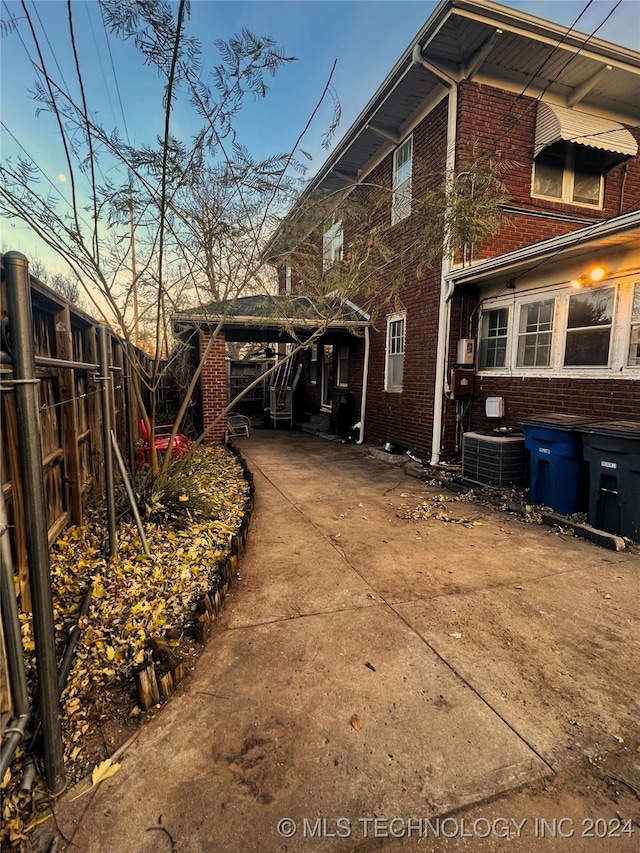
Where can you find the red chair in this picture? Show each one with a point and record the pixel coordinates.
(161, 436)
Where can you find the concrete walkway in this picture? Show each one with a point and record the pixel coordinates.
(372, 667)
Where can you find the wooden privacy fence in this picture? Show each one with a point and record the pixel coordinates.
(70, 419)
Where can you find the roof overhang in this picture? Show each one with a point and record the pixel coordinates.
(274, 318)
(493, 44)
(622, 231)
(556, 124)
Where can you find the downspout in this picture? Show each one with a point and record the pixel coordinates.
(446, 288)
(365, 380)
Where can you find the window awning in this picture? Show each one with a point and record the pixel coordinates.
(560, 124)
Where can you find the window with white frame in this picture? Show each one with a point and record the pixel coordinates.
(343, 366)
(313, 364)
(589, 325)
(332, 241)
(634, 343)
(535, 329)
(402, 169)
(570, 173)
(287, 279)
(394, 368)
(494, 332)
(563, 331)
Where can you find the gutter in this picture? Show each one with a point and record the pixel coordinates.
(446, 287)
(365, 381)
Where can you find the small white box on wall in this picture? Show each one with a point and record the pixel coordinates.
(466, 351)
(494, 407)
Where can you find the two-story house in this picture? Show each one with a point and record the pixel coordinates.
(546, 314)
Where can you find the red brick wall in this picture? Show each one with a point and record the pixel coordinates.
(609, 399)
(496, 122)
(493, 120)
(213, 383)
(406, 419)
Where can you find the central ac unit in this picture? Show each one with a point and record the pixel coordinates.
(494, 460)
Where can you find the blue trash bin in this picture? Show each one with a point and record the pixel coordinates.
(612, 449)
(557, 470)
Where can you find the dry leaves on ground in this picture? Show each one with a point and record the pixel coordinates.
(134, 597)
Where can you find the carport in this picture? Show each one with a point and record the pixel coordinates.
(299, 329)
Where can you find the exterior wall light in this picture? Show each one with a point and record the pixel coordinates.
(589, 279)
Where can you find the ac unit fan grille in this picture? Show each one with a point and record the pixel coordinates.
(498, 461)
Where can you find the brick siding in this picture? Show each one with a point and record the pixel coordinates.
(495, 120)
(213, 384)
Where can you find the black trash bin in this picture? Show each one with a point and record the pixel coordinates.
(612, 449)
(556, 476)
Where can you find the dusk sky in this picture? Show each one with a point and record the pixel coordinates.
(366, 38)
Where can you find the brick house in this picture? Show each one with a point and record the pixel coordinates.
(546, 315)
(538, 331)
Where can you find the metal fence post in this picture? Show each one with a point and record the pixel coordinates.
(28, 417)
(105, 396)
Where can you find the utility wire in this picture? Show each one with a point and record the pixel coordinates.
(553, 50)
(537, 100)
(115, 78)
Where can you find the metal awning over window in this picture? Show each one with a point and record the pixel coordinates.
(560, 124)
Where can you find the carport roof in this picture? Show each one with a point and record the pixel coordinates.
(269, 317)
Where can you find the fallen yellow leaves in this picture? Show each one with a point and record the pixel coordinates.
(436, 508)
(134, 597)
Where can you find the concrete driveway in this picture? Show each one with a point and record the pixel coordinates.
(373, 668)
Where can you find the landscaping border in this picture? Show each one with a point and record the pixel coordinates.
(157, 679)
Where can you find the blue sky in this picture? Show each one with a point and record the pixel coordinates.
(366, 37)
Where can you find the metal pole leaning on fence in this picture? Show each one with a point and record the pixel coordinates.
(132, 498)
(26, 390)
(105, 397)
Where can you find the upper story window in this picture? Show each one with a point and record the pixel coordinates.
(569, 173)
(573, 151)
(287, 279)
(394, 367)
(332, 241)
(402, 169)
(494, 332)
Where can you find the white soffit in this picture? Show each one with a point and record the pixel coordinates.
(555, 124)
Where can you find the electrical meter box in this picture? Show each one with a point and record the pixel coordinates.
(466, 351)
(462, 383)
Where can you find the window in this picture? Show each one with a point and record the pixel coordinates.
(534, 334)
(589, 328)
(634, 344)
(402, 167)
(493, 337)
(313, 364)
(287, 280)
(395, 353)
(332, 245)
(568, 172)
(343, 365)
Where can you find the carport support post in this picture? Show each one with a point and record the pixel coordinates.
(105, 397)
(28, 416)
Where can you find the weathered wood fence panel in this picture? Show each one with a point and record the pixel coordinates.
(70, 420)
